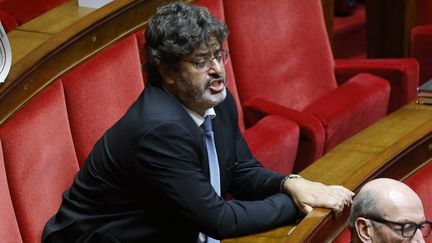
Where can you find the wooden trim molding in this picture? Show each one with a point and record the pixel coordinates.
(71, 46)
(394, 147)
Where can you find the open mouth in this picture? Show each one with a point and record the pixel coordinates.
(217, 85)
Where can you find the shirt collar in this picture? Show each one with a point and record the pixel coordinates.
(198, 119)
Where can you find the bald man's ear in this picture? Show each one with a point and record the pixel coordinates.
(363, 229)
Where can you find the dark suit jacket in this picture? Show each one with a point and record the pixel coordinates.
(147, 180)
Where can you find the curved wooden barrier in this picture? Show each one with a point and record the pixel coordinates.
(395, 147)
(43, 56)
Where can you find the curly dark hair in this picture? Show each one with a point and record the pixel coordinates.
(176, 30)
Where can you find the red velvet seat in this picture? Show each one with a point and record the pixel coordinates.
(281, 55)
(8, 226)
(99, 92)
(273, 140)
(39, 159)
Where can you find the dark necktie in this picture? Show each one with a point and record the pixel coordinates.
(213, 166)
(212, 155)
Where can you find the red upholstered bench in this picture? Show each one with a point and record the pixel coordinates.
(39, 160)
(44, 143)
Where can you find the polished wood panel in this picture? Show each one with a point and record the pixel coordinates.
(70, 47)
(394, 147)
(23, 42)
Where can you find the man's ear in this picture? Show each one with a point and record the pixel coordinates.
(166, 75)
(363, 229)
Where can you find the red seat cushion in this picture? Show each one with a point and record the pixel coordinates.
(99, 92)
(278, 150)
(40, 160)
(8, 225)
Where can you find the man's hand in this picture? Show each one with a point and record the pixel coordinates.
(308, 194)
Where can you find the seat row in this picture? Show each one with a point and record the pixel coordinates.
(283, 65)
(292, 104)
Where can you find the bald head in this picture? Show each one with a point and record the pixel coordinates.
(385, 199)
(392, 195)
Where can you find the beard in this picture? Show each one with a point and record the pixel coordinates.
(201, 98)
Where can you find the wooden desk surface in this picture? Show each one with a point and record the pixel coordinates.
(23, 42)
(355, 160)
(57, 19)
(30, 35)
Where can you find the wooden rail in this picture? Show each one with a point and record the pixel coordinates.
(394, 147)
(41, 53)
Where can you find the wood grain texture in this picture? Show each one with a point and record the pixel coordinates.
(23, 42)
(57, 19)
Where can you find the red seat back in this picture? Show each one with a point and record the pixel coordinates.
(8, 226)
(99, 92)
(280, 51)
(40, 160)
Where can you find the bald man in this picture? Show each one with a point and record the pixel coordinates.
(386, 210)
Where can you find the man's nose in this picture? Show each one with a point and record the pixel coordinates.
(215, 66)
